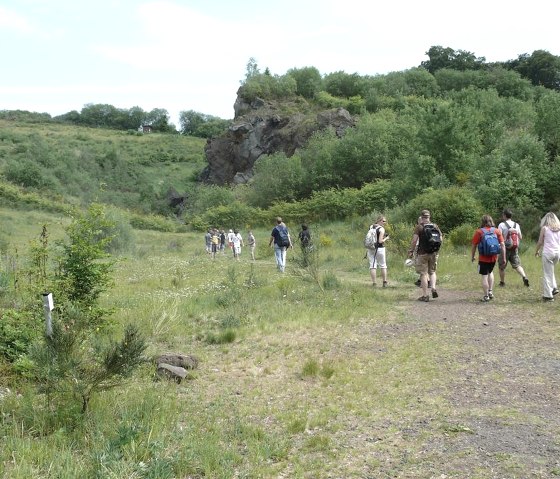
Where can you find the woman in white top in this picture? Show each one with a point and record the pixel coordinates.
(549, 246)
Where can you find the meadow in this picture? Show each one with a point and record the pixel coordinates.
(308, 374)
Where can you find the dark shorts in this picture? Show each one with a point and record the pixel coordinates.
(512, 256)
(485, 268)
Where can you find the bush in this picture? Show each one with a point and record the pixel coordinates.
(461, 235)
(450, 207)
(17, 330)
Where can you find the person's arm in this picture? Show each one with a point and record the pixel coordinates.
(413, 244)
(540, 242)
(474, 245)
(381, 238)
(502, 247)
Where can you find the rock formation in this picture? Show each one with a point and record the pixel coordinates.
(262, 128)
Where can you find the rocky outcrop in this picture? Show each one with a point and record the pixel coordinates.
(259, 129)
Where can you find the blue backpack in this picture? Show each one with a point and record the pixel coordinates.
(489, 244)
(283, 239)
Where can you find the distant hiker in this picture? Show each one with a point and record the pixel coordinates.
(237, 244)
(280, 238)
(490, 243)
(230, 240)
(222, 241)
(252, 243)
(215, 242)
(511, 231)
(208, 240)
(428, 238)
(548, 246)
(306, 245)
(375, 245)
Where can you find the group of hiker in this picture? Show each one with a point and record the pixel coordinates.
(216, 240)
(280, 239)
(493, 244)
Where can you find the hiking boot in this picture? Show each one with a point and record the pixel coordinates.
(502, 284)
(490, 294)
(526, 281)
(547, 300)
(485, 299)
(385, 284)
(554, 291)
(434, 294)
(424, 298)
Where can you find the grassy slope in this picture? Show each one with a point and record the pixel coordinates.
(324, 378)
(77, 157)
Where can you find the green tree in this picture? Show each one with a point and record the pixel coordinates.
(440, 57)
(308, 81)
(276, 178)
(541, 67)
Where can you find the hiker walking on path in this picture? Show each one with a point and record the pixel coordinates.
(511, 231)
(306, 244)
(252, 243)
(548, 246)
(490, 243)
(375, 244)
(280, 236)
(215, 242)
(428, 237)
(237, 244)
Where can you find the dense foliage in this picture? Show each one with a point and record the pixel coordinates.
(485, 131)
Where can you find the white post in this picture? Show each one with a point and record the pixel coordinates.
(48, 305)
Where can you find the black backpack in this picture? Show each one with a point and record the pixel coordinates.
(430, 238)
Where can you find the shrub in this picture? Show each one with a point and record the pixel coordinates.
(450, 207)
(17, 330)
(461, 235)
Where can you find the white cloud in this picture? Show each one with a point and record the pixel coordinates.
(12, 20)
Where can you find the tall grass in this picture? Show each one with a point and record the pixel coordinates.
(298, 377)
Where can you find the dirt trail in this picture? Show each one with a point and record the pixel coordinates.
(506, 395)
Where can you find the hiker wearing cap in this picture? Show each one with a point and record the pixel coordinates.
(428, 237)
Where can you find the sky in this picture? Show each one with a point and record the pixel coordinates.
(180, 55)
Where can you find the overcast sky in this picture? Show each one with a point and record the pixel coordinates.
(58, 55)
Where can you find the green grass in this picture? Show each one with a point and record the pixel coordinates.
(301, 375)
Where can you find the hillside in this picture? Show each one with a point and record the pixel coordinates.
(80, 164)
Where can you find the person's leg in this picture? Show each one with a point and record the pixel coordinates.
(422, 262)
(548, 275)
(491, 284)
(278, 256)
(485, 287)
(373, 274)
(424, 284)
(283, 256)
(381, 262)
(516, 265)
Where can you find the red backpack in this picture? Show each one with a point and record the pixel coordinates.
(512, 236)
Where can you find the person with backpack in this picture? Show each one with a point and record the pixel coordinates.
(511, 231)
(548, 246)
(490, 243)
(375, 246)
(280, 237)
(426, 240)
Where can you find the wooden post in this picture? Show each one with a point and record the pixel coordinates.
(48, 305)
